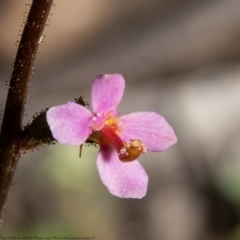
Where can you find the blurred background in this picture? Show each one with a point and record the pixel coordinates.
(180, 59)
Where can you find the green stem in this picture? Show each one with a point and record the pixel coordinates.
(17, 94)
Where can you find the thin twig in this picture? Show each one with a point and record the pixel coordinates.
(17, 94)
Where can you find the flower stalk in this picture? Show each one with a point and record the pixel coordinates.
(17, 94)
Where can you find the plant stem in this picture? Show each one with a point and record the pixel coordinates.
(17, 94)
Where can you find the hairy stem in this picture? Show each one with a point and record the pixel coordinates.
(17, 94)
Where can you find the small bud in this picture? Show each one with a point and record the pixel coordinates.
(36, 133)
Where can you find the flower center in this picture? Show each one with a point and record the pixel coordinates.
(109, 119)
(128, 151)
(107, 128)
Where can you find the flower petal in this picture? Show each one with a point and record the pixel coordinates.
(107, 91)
(69, 123)
(125, 180)
(149, 127)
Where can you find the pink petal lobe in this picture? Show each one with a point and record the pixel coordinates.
(124, 180)
(149, 127)
(107, 91)
(69, 123)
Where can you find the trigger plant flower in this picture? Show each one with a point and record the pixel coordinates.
(122, 139)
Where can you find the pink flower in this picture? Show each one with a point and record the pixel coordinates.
(121, 139)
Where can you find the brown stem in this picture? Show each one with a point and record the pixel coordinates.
(17, 94)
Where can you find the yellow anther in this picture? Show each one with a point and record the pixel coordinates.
(131, 150)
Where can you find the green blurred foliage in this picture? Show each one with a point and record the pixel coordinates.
(71, 197)
(229, 182)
